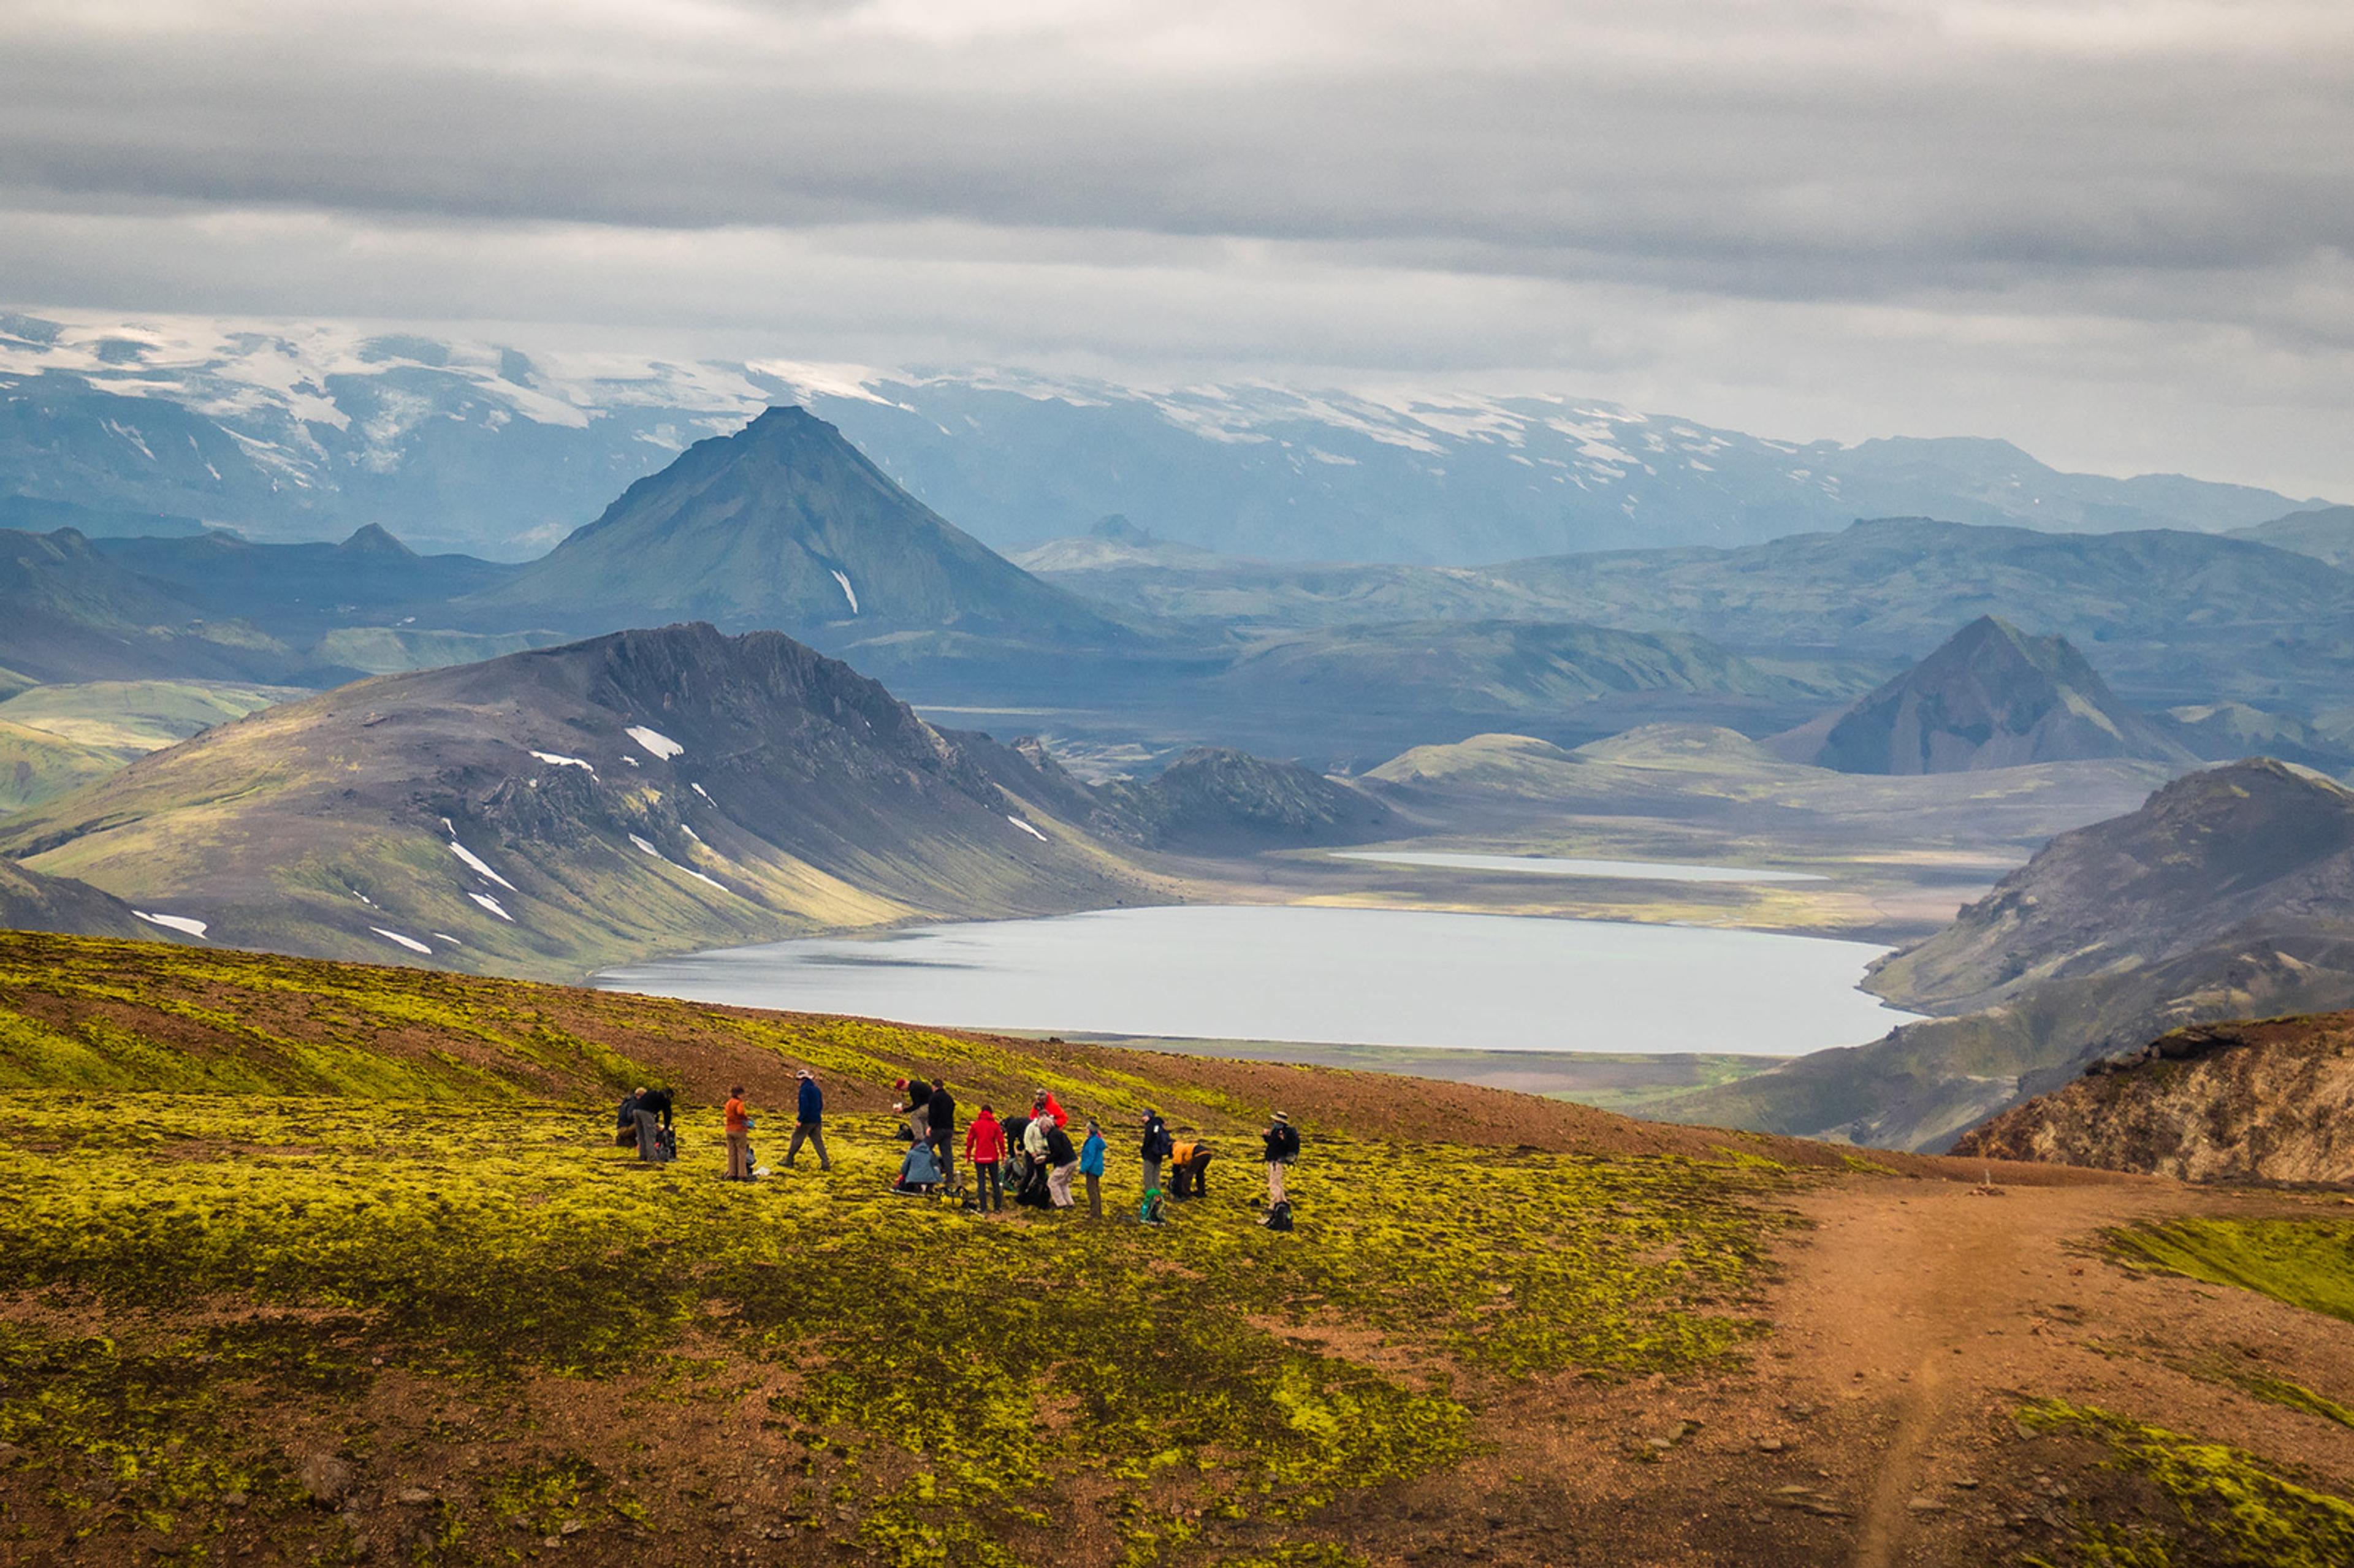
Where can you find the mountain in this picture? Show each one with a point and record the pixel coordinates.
(2230, 894)
(552, 811)
(785, 526)
(1217, 800)
(2327, 533)
(69, 613)
(1992, 697)
(299, 431)
(2271, 1101)
(2225, 732)
(298, 592)
(27, 515)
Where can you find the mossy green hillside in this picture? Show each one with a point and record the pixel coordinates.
(2306, 1263)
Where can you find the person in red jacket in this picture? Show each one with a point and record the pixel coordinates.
(1047, 1105)
(985, 1147)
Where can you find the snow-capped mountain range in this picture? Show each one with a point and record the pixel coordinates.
(310, 430)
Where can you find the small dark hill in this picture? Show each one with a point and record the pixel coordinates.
(69, 613)
(295, 590)
(31, 902)
(785, 526)
(555, 810)
(2327, 533)
(32, 514)
(1992, 697)
(1215, 799)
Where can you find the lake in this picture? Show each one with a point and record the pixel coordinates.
(1365, 977)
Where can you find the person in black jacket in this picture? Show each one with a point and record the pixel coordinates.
(1155, 1148)
(941, 1109)
(625, 1120)
(1282, 1144)
(1062, 1164)
(653, 1123)
(914, 1103)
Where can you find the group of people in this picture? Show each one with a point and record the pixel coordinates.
(1030, 1151)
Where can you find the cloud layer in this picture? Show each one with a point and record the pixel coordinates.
(2122, 235)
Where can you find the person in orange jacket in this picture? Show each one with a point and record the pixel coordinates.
(739, 1137)
(1047, 1105)
(984, 1147)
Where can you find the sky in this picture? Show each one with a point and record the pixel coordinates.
(2120, 234)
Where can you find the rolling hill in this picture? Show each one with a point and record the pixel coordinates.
(69, 613)
(550, 811)
(1991, 696)
(2325, 533)
(783, 526)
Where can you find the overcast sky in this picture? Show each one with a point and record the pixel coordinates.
(2120, 234)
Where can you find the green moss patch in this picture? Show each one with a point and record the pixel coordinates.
(2235, 1509)
(2306, 1263)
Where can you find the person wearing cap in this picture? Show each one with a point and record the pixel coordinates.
(810, 1115)
(915, 1104)
(739, 1135)
(1282, 1144)
(1091, 1163)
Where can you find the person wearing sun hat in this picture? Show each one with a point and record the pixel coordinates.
(1282, 1144)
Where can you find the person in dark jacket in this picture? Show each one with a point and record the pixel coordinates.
(1155, 1148)
(625, 1123)
(1282, 1145)
(1062, 1164)
(941, 1109)
(810, 1114)
(654, 1122)
(1015, 1128)
(915, 1104)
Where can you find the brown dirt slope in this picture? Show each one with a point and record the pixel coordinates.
(2268, 1101)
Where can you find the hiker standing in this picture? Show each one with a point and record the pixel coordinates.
(739, 1135)
(1062, 1164)
(984, 1146)
(941, 1130)
(809, 1116)
(1282, 1142)
(1044, 1103)
(1091, 1161)
(1154, 1149)
(653, 1124)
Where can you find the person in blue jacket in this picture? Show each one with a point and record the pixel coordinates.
(1091, 1158)
(807, 1121)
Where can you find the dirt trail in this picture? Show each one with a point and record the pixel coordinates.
(1917, 1315)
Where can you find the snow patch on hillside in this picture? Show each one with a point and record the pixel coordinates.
(411, 943)
(173, 922)
(662, 747)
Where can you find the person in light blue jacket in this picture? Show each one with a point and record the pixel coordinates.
(1091, 1158)
(808, 1122)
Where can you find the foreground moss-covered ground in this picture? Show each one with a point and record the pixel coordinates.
(287, 1237)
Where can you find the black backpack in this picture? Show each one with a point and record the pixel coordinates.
(1279, 1217)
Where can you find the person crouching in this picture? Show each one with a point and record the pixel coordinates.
(920, 1172)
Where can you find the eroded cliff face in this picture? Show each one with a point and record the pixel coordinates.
(2266, 1101)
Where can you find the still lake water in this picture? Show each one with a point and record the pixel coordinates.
(1370, 977)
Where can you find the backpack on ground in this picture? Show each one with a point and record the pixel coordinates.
(1278, 1218)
